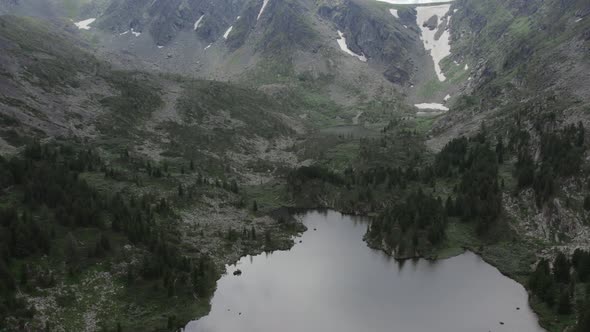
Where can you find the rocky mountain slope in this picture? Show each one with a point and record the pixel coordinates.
(529, 72)
(528, 55)
(212, 105)
(78, 128)
(263, 41)
(52, 87)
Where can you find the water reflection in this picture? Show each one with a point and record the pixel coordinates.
(333, 282)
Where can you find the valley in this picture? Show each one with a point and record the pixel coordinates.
(146, 146)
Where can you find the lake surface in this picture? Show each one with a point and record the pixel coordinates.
(332, 281)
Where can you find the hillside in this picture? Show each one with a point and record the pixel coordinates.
(523, 56)
(144, 145)
(185, 148)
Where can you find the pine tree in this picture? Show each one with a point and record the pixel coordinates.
(105, 242)
(561, 269)
(72, 253)
(580, 135)
(500, 150)
(583, 324)
(564, 304)
(541, 282)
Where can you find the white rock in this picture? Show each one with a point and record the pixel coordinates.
(264, 3)
(432, 106)
(414, 2)
(342, 43)
(441, 48)
(394, 13)
(198, 22)
(227, 32)
(85, 25)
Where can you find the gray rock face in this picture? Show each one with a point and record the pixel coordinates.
(431, 23)
(164, 19)
(397, 75)
(378, 37)
(286, 28)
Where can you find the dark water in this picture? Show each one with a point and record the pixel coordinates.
(333, 282)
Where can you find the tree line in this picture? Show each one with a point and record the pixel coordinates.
(45, 195)
(555, 283)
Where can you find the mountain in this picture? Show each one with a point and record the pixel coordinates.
(54, 88)
(145, 144)
(235, 41)
(528, 55)
(80, 134)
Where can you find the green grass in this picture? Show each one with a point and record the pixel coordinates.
(455, 74)
(430, 88)
(521, 27)
(423, 124)
(459, 236)
(341, 156)
(268, 196)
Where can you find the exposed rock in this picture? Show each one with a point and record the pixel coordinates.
(431, 23)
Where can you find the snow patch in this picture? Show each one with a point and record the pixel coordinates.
(394, 13)
(264, 3)
(405, 26)
(208, 46)
(133, 32)
(578, 20)
(447, 97)
(413, 2)
(160, 46)
(226, 34)
(440, 48)
(85, 25)
(198, 22)
(429, 113)
(466, 67)
(432, 106)
(342, 43)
